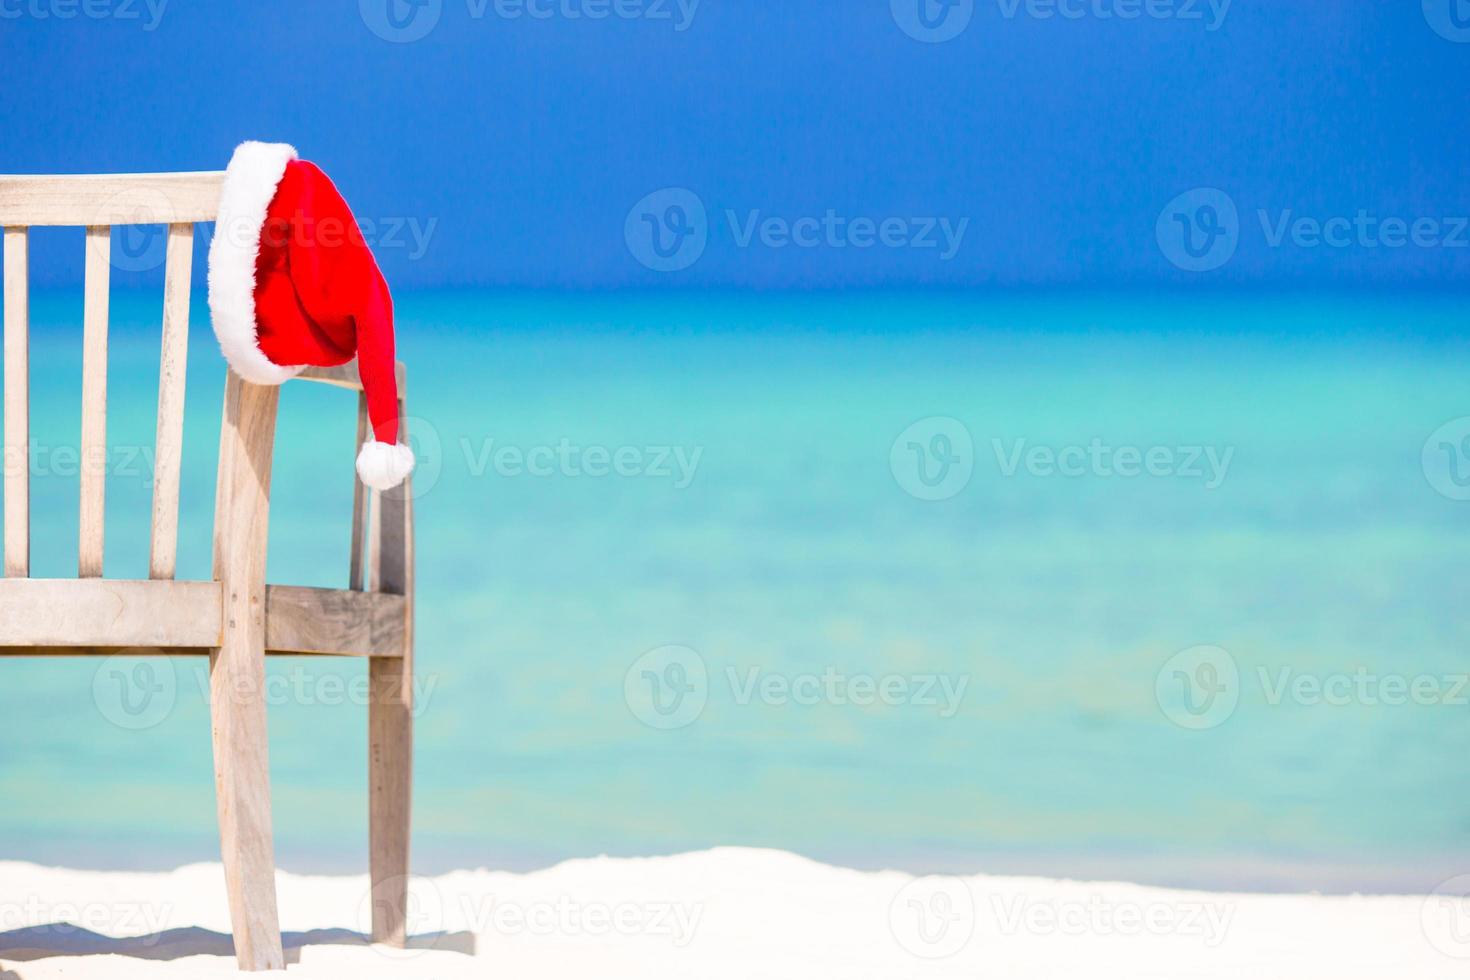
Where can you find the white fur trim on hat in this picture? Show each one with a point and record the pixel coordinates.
(382, 466)
(250, 182)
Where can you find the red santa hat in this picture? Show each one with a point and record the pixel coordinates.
(292, 285)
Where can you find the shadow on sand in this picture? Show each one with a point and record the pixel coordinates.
(65, 939)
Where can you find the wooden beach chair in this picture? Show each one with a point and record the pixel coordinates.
(236, 619)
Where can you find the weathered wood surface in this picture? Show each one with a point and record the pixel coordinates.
(334, 622)
(91, 521)
(16, 462)
(346, 376)
(236, 619)
(237, 674)
(109, 199)
(173, 365)
(390, 723)
(108, 613)
(359, 503)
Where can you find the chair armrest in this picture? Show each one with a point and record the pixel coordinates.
(346, 376)
(393, 576)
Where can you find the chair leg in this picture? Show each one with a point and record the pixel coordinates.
(237, 674)
(242, 789)
(390, 774)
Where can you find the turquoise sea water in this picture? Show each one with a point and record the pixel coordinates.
(792, 562)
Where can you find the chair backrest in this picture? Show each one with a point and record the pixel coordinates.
(98, 202)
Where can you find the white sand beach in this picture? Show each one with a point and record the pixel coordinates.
(727, 913)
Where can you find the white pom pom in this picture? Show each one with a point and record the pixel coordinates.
(382, 466)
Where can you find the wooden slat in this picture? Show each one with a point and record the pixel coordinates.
(237, 673)
(109, 199)
(359, 500)
(346, 376)
(104, 652)
(17, 463)
(335, 622)
(394, 554)
(108, 613)
(390, 723)
(149, 651)
(173, 365)
(94, 402)
(374, 540)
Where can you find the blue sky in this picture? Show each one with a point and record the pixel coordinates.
(828, 144)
